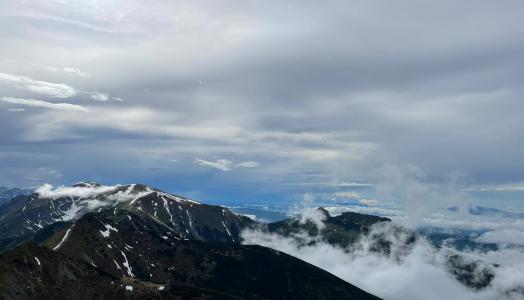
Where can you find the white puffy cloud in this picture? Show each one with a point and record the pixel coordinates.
(44, 104)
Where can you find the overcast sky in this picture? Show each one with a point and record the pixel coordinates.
(254, 99)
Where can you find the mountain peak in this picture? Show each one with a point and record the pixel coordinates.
(324, 212)
(68, 203)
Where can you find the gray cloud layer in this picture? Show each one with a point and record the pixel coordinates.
(336, 89)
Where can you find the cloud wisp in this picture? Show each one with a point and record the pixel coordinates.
(69, 71)
(55, 90)
(248, 164)
(16, 109)
(220, 164)
(44, 104)
(103, 97)
(225, 164)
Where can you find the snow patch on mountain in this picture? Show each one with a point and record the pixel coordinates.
(109, 228)
(66, 235)
(72, 212)
(126, 264)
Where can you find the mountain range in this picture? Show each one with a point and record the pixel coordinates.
(7, 194)
(489, 211)
(133, 241)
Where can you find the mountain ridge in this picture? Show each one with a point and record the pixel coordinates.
(23, 216)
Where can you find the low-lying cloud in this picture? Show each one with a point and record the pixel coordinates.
(502, 236)
(419, 271)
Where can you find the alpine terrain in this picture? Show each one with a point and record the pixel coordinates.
(91, 241)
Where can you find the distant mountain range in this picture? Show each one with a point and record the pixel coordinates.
(489, 211)
(134, 241)
(7, 193)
